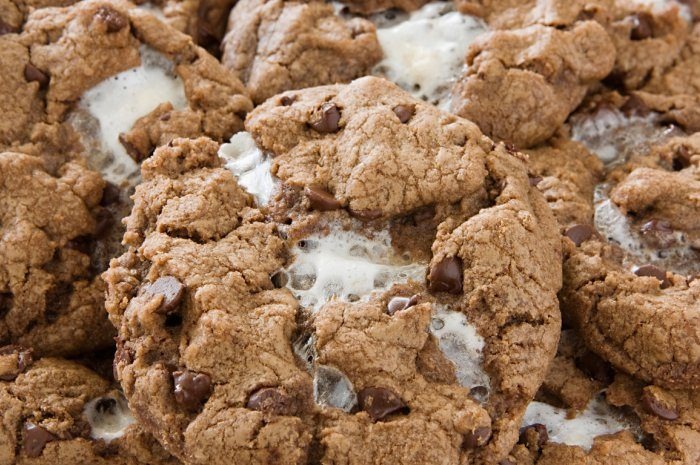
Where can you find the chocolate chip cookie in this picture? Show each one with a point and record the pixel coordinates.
(58, 411)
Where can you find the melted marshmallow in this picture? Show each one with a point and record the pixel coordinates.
(614, 137)
(250, 165)
(347, 266)
(614, 225)
(109, 416)
(114, 105)
(425, 53)
(597, 419)
(462, 345)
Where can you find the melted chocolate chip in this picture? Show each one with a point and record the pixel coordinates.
(479, 393)
(328, 118)
(172, 291)
(366, 215)
(279, 279)
(446, 276)
(656, 407)
(287, 100)
(321, 200)
(271, 401)
(681, 159)
(404, 112)
(397, 304)
(34, 74)
(635, 106)
(595, 367)
(114, 20)
(106, 405)
(380, 402)
(191, 389)
(34, 439)
(534, 436)
(643, 26)
(24, 360)
(535, 180)
(580, 233)
(510, 148)
(655, 272)
(476, 438)
(110, 195)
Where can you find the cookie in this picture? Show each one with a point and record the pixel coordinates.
(359, 164)
(58, 411)
(275, 46)
(520, 85)
(53, 228)
(87, 60)
(623, 420)
(638, 261)
(374, 6)
(13, 13)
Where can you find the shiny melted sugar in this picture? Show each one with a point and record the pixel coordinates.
(614, 137)
(616, 227)
(109, 416)
(424, 52)
(597, 419)
(114, 105)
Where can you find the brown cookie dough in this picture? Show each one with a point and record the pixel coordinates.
(57, 411)
(373, 150)
(13, 13)
(566, 173)
(51, 298)
(639, 315)
(521, 85)
(69, 50)
(205, 354)
(279, 45)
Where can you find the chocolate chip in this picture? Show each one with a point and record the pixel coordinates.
(479, 393)
(114, 20)
(535, 180)
(397, 304)
(192, 389)
(595, 367)
(446, 276)
(654, 272)
(271, 401)
(110, 194)
(380, 402)
(681, 159)
(287, 100)
(6, 28)
(580, 233)
(104, 220)
(172, 291)
(635, 106)
(279, 279)
(476, 438)
(327, 120)
(534, 436)
(321, 199)
(404, 112)
(366, 215)
(106, 405)
(643, 26)
(23, 358)
(34, 74)
(34, 439)
(510, 148)
(656, 407)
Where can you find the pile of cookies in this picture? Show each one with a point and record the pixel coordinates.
(350, 233)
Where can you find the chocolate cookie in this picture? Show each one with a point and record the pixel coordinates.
(120, 78)
(275, 46)
(587, 414)
(57, 411)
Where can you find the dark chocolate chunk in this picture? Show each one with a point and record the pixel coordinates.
(192, 389)
(380, 402)
(446, 276)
